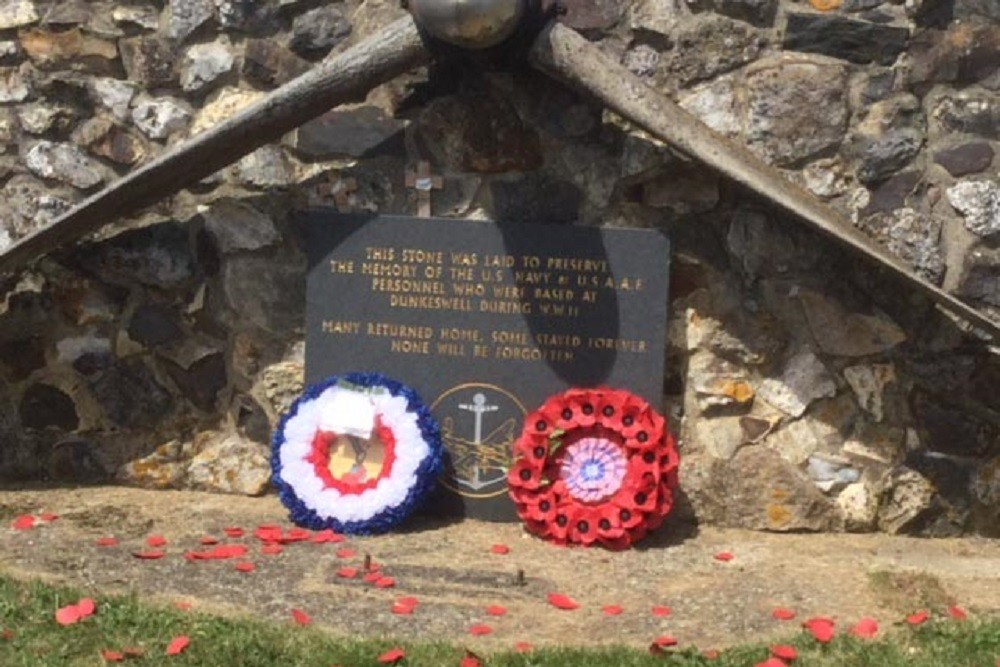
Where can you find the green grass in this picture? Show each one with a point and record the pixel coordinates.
(27, 609)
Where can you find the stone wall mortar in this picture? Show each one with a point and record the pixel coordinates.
(809, 392)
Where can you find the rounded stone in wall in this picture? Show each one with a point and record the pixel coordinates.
(44, 406)
(75, 460)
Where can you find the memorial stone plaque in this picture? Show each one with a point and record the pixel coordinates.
(485, 321)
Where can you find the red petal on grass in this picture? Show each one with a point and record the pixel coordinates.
(401, 609)
(209, 540)
(524, 647)
(112, 656)
(501, 549)
(918, 618)
(724, 556)
(371, 577)
(392, 656)
(496, 610)
(48, 516)
(23, 522)
(470, 660)
(612, 609)
(346, 553)
(271, 549)
(347, 572)
(409, 601)
(821, 629)
(385, 582)
(86, 607)
(245, 566)
(107, 542)
(711, 654)
(301, 617)
(957, 613)
(149, 555)
(233, 531)
(785, 652)
(178, 645)
(660, 610)
(866, 628)
(771, 662)
(783, 614)
(184, 605)
(560, 601)
(67, 615)
(156, 541)
(663, 641)
(480, 629)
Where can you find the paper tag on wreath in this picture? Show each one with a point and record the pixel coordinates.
(350, 413)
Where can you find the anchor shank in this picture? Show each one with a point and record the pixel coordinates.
(565, 55)
(341, 78)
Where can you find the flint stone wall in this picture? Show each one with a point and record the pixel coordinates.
(809, 391)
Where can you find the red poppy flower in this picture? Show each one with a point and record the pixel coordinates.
(957, 613)
(584, 409)
(560, 601)
(301, 617)
(538, 424)
(560, 414)
(501, 549)
(525, 475)
(612, 609)
(178, 645)
(496, 610)
(783, 614)
(112, 656)
(918, 618)
(540, 506)
(784, 651)
(866, 628)
(392, 656)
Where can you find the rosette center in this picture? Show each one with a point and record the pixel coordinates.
(593, 468)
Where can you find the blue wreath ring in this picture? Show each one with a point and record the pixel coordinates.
(357, 454)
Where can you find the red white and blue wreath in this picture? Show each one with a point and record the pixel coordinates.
(594, 466)
(356, 454)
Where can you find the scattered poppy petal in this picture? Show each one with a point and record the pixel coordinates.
(246, 566)
(501, 549)
(178, 645)
(724, 556)
(112, 656)
(156, 541)
(347, 572)
(663, 641)
(86, 607)
(107, 542)
(866, 628)
(918, 618)
(957, 613)
(822, 629)
(783, 614)
(24, 522)
(402, 609)
(149, 555)
(524, 647)
(371, 577)
(784, 651)
(209, 540)
(271, 549)
(496, 610)
(771, 662)
(301, 617)
(392, 656)
(385, 582)
(480, 629)
(612, 609)
(560, 601)
(711, 654)
(660, 610)
(233, 531)
(67, 615)
(48, 516)
(184, 605)
(409, 601)
(346, 553)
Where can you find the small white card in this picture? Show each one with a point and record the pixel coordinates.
(350, 413)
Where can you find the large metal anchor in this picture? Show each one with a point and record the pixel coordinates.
(474, 26)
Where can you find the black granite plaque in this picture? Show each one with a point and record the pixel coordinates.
(485, 321)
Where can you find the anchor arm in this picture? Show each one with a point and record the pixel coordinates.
(341, 78)
(563, 54)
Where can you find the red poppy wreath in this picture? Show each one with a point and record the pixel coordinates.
(594, 465)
